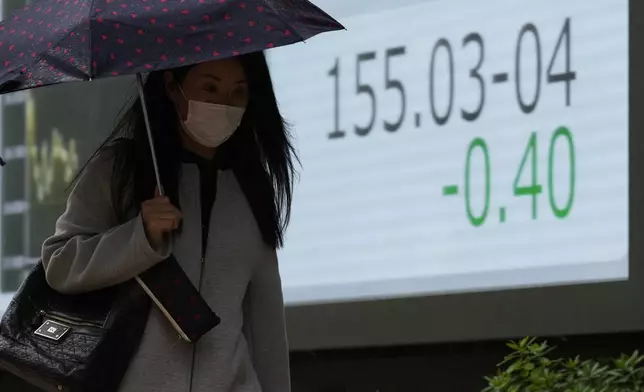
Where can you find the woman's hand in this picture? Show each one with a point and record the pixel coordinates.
(160, 217)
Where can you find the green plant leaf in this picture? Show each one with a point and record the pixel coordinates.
(530, 368)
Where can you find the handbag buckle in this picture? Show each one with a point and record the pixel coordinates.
(52, 330)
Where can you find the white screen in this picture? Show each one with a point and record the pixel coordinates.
(374, 216)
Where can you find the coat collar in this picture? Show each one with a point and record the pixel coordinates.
(216, 163)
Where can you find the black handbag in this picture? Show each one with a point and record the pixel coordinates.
(70, 343)
(85, 342)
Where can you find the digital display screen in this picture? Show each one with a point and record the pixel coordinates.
(452, 152)
(457, 146)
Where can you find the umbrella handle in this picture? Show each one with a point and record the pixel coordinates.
(148, 129)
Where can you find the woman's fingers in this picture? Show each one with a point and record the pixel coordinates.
(159, 204)
(159, 200)
(163, 224)
(158, 224)
(163, 215)
(160, 209)
(160, 216)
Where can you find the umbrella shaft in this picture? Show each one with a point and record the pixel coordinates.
(139, 82)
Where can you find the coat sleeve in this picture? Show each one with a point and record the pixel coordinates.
(89, 249)
(265, 327)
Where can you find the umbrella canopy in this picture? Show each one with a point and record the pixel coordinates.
(56, 41)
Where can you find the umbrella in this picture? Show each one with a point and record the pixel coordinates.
(57, 41)
(54, 41)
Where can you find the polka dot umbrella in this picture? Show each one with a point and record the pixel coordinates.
(56, 41)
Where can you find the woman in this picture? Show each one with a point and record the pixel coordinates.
(226, 165)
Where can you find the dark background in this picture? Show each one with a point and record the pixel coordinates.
(81, 112)
(450, 367)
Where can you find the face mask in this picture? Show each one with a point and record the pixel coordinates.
(210, 124)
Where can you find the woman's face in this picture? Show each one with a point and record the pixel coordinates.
(220, 82)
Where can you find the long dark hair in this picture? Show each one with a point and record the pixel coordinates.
(260, 152)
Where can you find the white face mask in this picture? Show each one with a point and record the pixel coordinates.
(210, 124)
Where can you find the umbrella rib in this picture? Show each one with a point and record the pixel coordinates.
(47, 57)
(63, 66)
(279, 16)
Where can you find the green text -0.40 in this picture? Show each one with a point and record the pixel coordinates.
(526, 183)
